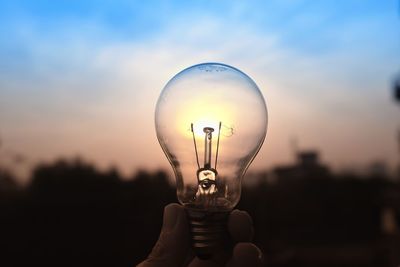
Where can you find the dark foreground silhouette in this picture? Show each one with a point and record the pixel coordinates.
(74, 215)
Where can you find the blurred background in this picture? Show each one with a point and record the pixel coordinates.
(83, 181)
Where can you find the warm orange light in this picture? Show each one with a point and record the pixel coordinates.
(201, 116)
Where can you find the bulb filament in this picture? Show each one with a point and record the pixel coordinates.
(207, 146)
(207, 174)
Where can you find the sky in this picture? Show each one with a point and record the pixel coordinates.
(81, 78)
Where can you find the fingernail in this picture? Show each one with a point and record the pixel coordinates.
(171, 213)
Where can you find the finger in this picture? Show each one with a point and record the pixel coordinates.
(173, 243)
(240, 226)
(245, 254)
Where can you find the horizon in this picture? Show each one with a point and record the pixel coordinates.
(251, 177)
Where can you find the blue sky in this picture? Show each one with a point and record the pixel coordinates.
(82, 77)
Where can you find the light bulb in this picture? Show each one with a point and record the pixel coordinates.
(211, 120)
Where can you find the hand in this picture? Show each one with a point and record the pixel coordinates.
(173, 248)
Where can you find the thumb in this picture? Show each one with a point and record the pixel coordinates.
(173, 243)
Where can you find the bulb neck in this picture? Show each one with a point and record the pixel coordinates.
(209, 232)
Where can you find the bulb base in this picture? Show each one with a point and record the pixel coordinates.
(209, 232)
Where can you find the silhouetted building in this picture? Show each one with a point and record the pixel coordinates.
(307, 165)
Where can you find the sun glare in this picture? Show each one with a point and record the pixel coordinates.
(204, 116)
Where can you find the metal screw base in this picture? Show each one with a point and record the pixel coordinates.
(209, 232)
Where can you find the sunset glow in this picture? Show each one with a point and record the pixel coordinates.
(82, 79)
(205, 116)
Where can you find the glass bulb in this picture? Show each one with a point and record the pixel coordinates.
(211, 120)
